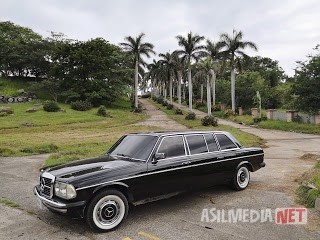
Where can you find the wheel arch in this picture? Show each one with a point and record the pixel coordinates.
(246, 163)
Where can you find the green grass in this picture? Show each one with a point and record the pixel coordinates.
(10, 86)
(245, 139)
(9, 203)
(305, 195)
(69, 135)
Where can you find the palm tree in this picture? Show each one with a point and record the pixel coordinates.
(233, 50)
(167, 63)
(154, 74)
(205, 70)
(137, 48)
(191, 50)
(214, 52)
(179, 66)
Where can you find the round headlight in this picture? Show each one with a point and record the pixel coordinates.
(64, 190)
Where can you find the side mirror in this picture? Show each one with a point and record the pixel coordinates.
(158, 156)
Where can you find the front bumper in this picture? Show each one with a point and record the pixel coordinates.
(58, 206)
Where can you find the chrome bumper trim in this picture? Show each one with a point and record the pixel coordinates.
(48, 201)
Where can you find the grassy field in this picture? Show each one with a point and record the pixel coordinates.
(70, 135)
(245, 139)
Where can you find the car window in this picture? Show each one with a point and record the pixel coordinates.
(172, 147)
(196, 144)
(134, 146)
(211, 142)
(225, 142)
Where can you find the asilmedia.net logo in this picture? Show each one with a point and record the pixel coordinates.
(245, 215)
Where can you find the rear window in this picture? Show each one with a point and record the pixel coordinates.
(196, 144)
(211, 142)
(225, 142)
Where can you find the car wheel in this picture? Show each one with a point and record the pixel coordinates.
(107, 210)
(241, 179)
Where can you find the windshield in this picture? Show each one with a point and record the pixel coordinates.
(134, 146)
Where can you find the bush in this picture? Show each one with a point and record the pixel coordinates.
(169, 106)
(81, 105)
(137, 110)
(51, 106)
(228, 113)
(257, 119)
(164, 103)
(178, 111)
(102, 111)
(190, 116)
(175, 99)
(3, 114)
(209, 121)
(147, 95)
(297, 119)
(160, 100)
(200, 104)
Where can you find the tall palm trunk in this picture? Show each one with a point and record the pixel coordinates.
(213, 82)
(170, 90)
(151, 88)
(233, 91)
(208, 96)
(201, 92)
(184, 92)
(165, 92)
(179, 88)
(136, 84)
(190, 89)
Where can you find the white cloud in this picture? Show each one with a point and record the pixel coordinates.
(284, 30)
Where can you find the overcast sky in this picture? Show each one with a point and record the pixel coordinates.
(284, 30)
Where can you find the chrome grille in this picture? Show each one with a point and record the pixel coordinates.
(46, 185)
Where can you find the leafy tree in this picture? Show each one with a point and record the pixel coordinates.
(307, 84)
(191, 50)
(233, 50)
(137, 48)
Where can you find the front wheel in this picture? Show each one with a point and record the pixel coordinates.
(107, 210)
(241, 178)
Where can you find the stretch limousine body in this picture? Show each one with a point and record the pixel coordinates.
(145, 167)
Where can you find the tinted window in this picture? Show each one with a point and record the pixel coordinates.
(225, 142)
(172, 147)
(211, 142)
(196, 144)
(135, 146)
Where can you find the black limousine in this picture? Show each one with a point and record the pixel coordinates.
(144, 167)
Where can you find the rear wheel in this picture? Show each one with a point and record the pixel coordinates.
(107, 210)
(241, 178)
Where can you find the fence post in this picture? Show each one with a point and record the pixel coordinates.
(317, 118)
(254, 112)
(270, 113)
(290, 115)
(240, 111)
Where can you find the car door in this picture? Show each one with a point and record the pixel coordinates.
(169, 175)
(204, 154)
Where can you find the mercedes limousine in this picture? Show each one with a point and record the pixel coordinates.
(144, 167)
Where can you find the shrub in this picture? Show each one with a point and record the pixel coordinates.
(81, 105)
(297, 119)
(51, 106)
(164, 103)
(160, 100)
(3, 114)
(175, 99)
(257, 119)
(178, 111)
(209, 121)
(147, 95)
(190, 116)
(154, 98)
(169, 106)
(199, 104)
(228, 113)
(102, 111)
(137, 110)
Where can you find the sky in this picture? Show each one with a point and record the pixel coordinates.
(284, 30)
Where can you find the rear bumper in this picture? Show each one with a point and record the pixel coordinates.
(263, 164)
(58, 205)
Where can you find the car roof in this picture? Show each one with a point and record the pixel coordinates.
(168, 133)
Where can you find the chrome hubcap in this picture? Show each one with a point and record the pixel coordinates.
(243, 177)
(108, 212)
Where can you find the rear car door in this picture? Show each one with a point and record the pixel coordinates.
(169, 175)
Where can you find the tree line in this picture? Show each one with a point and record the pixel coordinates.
(199, 71)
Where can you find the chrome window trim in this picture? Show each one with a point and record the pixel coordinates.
(186, 135)
(168, 170)
(216, 141)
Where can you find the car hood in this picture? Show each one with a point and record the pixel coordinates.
(105, 167)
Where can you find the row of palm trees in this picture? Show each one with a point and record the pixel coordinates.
(194, 60)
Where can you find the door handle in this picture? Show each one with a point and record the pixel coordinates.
(186, 163)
